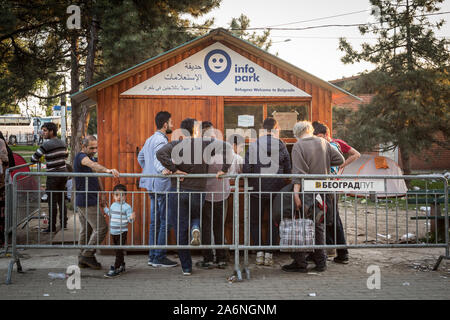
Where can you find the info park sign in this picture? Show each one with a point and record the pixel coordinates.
(216, 71)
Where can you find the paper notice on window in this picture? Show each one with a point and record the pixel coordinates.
(246, 120)
(286, 120)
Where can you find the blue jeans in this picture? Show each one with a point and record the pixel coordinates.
(179, 207)
(158, 224)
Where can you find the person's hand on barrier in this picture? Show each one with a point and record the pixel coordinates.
(132, 216)
(219, 174)
(166, 171)
(103, 202)
(180, 172)
(114, 172)
(298, 202)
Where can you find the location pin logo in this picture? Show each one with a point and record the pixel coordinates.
(217, 65)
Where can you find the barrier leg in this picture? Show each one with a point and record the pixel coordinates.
(10, 269)
(446, 230)
(237, 265)
(14, 261)
(438, 262)
(247, 273)
(246, 228)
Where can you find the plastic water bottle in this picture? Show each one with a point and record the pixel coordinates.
(54, 275)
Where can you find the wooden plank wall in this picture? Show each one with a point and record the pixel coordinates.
(124, 123)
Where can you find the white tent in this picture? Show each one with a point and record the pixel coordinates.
(379, 165)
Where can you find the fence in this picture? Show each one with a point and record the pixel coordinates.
(366, 214)
(26, 207)
(369, 219)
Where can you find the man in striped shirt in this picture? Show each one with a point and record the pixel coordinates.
(54, 151)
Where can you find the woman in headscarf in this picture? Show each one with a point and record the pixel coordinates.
(6, 161)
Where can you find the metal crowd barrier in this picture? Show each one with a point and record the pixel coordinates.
(396, 217)
(369, 219)
(28, 206)
(28, 238)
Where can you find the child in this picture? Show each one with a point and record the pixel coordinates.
(120, 213)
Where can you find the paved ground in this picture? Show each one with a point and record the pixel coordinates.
(405, 274)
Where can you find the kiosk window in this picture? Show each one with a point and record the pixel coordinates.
(245, 119)
(287, 116)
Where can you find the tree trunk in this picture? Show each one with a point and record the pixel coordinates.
(409, 54)
(80, 113)
(406, 163)
(74, 88)
(92, 50)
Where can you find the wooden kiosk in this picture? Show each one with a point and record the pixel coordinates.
(216, 77)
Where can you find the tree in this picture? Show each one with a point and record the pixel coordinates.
(37, 48)
(239, 26)
(410, 82)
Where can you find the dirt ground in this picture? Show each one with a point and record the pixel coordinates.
(372, 224)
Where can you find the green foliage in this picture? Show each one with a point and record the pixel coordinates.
(30, 47)
(410, 82)
(36, 47)
(239, 26)
(133, 31)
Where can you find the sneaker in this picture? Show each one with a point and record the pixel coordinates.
(320, 268)
(91, 262)
(268, 259)
(205, 264)
(163, 263)
(48, 230)
(195, 237)
(342, 260)
(222, 265)
(150, 262)
(331, 253)
(294, 267)
(113, 272)
(187, 272)
(81, 265)
(121, 269)
(260, 258)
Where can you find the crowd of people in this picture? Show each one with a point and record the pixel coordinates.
(196, 208)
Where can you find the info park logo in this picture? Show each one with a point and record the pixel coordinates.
(218, 65)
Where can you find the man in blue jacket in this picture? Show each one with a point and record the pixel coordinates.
(157, 188)
(268, 154)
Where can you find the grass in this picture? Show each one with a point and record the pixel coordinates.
(427, 184)
(17, 149)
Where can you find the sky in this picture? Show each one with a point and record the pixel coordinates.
(316, 50)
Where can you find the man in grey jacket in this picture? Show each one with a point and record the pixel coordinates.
(310, 155)
(190, 155)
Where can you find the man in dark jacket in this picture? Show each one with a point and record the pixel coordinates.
(190, 156)
(268, 154)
